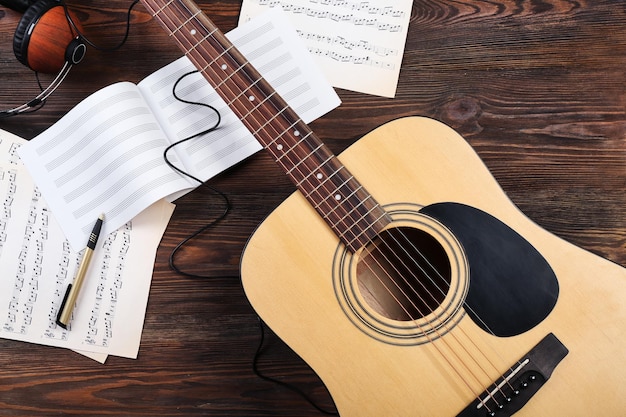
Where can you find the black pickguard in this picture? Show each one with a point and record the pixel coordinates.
(512, 287)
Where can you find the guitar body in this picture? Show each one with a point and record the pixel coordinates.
(380, 362)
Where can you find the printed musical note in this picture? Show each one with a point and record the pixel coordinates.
(370, 18)
(349, 44)
(38, 263)
(358, 60)
(12, 154)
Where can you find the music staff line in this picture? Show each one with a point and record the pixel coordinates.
(25, 297)
(30, 260)
(358, 45)
(104, 307)
(352, 18)
(352, 59)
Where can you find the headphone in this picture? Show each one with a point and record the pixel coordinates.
(46, 40)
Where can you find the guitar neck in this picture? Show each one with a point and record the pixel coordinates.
(337, 196)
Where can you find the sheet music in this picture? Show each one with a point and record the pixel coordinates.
(358, 44)
(38, 263)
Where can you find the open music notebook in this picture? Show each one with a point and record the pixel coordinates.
(106, 154)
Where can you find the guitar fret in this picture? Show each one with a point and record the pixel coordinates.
(327, 179)
(184, 23)
(166, 5)
(293, 148)
(335, 195)
(238, 97)
(340, 200)
(341, 206)
(303, 160)
(314, 173)
(302, 178)
(273, 141)
(355, 208)
(358, 232)
(201, 42)
(269, 121)
(249, 113)
(213, 61)
(284, 149)
(346, 198)
(258, 131)
(229, 77)
(367, 233)
(348, 213)
(375, 207)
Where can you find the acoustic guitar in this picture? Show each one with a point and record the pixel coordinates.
(405, 277)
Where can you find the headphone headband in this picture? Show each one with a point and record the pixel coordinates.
(18, 5)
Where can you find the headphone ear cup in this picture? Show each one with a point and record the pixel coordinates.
(42, 37)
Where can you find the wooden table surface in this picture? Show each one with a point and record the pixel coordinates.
(536, 87)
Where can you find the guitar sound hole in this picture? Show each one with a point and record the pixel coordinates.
(404, 274)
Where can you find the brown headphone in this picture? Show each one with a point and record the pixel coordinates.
(46, 40)
(49, 39)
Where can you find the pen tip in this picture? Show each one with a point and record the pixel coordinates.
(101, 217)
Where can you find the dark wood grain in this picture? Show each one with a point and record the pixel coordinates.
(536, 87)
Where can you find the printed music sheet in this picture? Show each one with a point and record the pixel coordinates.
(358, 44)
(38, 263)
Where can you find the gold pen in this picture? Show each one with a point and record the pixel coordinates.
(67, 305)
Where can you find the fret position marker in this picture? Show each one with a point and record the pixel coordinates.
(319, 176)
(192, 32)
(251, 98)
(224, 67)
(337, 197)
(279, 147)
(296, 133)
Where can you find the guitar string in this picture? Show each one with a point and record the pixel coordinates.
(292, 168)
(249, 84)
(408, 242)
(419, 282)
(413, 257)
(248, 87)
(425, 332)
(494, 390)
(242, 94)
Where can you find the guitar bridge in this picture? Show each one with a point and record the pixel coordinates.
(520, 383)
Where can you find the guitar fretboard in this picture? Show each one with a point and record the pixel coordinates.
(337, 196)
